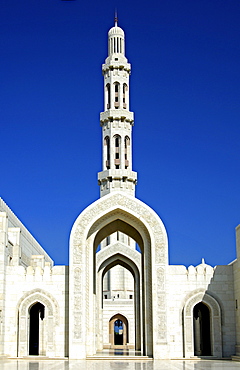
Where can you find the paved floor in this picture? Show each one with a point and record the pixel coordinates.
(118, 365)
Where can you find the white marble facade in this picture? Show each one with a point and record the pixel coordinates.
(119, 290)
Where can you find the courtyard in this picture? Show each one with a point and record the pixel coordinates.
(45, 364)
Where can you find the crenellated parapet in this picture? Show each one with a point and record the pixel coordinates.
(37, 273)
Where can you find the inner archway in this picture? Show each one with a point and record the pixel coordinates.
(36, 316)
(126, 301)
(202, 333)
(119, 295)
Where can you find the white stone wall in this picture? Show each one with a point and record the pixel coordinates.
(24, 283)
(124, 307)
(182, 284)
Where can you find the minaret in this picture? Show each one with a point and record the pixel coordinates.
(116, 120)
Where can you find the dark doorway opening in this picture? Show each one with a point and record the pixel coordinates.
(36, 314)
(201, 324)
(118, 332)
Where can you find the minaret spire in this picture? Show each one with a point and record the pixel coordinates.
(116, 19)
(116, 120)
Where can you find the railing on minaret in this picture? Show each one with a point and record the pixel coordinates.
(116, 120)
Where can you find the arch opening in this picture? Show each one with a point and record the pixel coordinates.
(121, 226)
(125, 298)
(202, 332)
(109, 215)
(118, 330)
(36, 332)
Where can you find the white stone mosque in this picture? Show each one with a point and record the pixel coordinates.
(119, 291)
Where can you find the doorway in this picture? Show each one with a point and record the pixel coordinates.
(36, 316)
(118, 331)
(202, 332)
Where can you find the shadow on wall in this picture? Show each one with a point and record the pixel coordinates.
(209, 314)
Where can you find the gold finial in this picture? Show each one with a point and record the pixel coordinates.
(116, 19)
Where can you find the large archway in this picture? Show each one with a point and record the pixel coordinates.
(117, 212)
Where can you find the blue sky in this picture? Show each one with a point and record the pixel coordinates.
(185, 88)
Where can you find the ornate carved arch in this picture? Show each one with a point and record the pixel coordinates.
(52, 319)
(216, 327)
(39, 295)
(118, 247)
(87, 231)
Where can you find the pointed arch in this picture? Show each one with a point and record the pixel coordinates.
(106, 154)
(112, 259)
(125, 96)
(215, 322)
(117, 147)
(108, 96)
(116, 94)
(51, 308)
(127, 151)
(123, 337)
(115, 211)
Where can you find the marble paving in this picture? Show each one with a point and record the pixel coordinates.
(6, 364)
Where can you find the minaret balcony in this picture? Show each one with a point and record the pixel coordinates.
(126, 173)
(120, 114)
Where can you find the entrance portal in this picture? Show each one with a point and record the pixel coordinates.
(36, 314)
(201, 324)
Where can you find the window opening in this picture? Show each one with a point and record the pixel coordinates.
(116, 95)
(126, 151)
(107, 153)
(108, 96)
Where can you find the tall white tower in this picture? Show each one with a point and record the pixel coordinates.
(116, 120)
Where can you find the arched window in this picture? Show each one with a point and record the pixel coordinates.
(108, 97)
(107, 151)
(117, 86)
(126, 150)
(117, 159)
(125, 90)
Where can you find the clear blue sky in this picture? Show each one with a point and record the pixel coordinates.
(185, 90)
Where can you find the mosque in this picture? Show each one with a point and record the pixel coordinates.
(119, 291)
